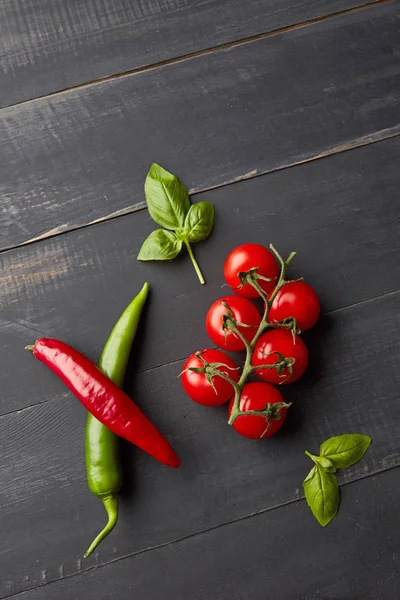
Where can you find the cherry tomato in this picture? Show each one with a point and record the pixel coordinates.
(280, 341)
(297, 300)
(243, 311)
(255, 396)
(199, 389)
(242, 259)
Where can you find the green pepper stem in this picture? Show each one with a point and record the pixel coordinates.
(111, 506)
(195, 263)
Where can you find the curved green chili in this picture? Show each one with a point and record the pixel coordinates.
(103, 468)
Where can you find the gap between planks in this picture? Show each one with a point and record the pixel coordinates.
(210, 50)
(351, 144)
(190, 536)
(178, 360)
(372, 138)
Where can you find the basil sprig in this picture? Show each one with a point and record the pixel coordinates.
(320, 486)
(169, 206)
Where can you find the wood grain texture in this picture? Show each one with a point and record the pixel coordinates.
(73, 158)
(340, 214)
(281, 554)
(48, 47)
(49, 516)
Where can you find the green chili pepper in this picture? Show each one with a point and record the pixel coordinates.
(103, 468)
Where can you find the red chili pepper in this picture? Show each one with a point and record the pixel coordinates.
(103, 399)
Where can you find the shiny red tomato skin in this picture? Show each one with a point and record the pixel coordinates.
(255, 396)
(242, 259)
(297, 300)
(280, 340)
(199, 389)
(243, 311)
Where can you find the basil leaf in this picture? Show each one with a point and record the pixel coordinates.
(199, 221)
(323, 462)
(322, 494)
(160, 245)
(167, 198)
(345, 450)
(310, 475)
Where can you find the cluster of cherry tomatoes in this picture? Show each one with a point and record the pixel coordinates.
(295, 308)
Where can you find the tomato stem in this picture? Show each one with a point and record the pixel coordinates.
(231, 324)
(264, 325)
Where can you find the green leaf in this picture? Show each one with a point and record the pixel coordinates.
(345, 450)
(167, 198)
(160, 245)
(199, 222)
(323, 462)
(322, 494)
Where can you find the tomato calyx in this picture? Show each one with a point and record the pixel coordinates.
(282, 364)
(271, 412)
(291, 324)
(250, 277)
(229, 323)
(211, 370)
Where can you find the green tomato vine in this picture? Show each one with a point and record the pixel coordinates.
(271, 411)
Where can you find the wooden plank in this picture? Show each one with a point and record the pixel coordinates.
(48, 47)
(282, 554)
(340, 214)
(48, 516)
(76, 157)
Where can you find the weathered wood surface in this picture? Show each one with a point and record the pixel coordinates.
(70, 159)
(340, 214)
(49, 516)
(45, 47)
(231, 523)
(74, 286)
(277, 554)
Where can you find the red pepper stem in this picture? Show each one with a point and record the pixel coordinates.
(111, 506)
(30, 347)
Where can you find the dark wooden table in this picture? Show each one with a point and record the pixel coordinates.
(286, 116)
